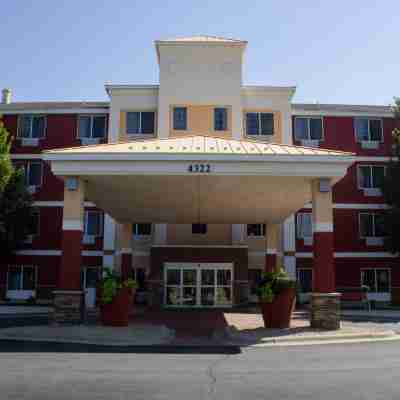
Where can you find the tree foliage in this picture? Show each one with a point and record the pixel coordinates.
(16, 211)
(392, 188)
(5, 161)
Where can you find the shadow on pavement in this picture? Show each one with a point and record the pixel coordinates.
(17, 346)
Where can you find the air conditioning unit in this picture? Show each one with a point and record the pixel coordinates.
(308, 241)
(369, 144)
(374, 241)
(372, 192)
(310, 143)
(89, 239)
(30, 142)
(89, 141)
(31, 189)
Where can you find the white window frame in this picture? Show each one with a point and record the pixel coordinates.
(21, 293)
(263, 231)
(259, 124)
(137, 235)
(308, 240)
(140, 123)
(227, 119)
(378, 296)
(91, 138)
(31, 126)
(173, 118)
(373, 225)
(376, 190)
(309, 118)
(369, 129)
(87, 212)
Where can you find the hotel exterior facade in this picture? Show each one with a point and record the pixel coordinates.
(198, 184)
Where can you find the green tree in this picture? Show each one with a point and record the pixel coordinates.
(392, 188)
(16, 211)
(5, 161)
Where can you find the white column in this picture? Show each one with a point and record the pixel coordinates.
(110, 229)
(289, 246)
(238, 234)
(160, 233)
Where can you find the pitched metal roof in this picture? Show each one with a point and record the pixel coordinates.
(198, 145)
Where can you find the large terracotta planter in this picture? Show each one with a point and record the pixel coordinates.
(278, 313)
(117, 312)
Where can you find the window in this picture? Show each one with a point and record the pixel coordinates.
(140, 123)
(21, 278)
(371, 225)
(34, 224)
(91, 126)
(32, 126)
(304, 279)
(180, 118)
(308, 128)
(259, 124)
(220, 119)
(304, 225)
(199, 229)
(33, 173)
(371, 176)
(93, 223)
(368, 129)
(142, 229)
(378, 280)
(256, 230)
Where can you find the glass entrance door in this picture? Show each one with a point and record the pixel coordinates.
(198, 285)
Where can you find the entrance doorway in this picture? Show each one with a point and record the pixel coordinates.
(198, 285)
(90, 277)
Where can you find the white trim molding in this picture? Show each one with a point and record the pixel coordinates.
(271, 251)
(72, 225)
(26, 156)
(376, 254)
(322, 227)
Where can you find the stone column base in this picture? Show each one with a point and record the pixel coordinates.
(325, 311)
(68, 306)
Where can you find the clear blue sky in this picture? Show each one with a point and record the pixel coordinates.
(333, 51)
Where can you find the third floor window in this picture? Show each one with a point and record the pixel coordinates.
(140, 122)
(180, 118)
(308, 128)
(371, 225)
(91, 126)
(368, 129)
(220, 119)
(259, 124)
(371, 176)
(32, 126)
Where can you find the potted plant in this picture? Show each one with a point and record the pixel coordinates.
(116, 298)
(277, 296)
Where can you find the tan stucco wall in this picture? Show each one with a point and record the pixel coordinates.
(322, 204)
(217, 234)
(277, 136)
(200, 120)
(74, 202)
(122, 124)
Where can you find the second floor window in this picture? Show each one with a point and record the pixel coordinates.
(140, 123)
(93, 223)
(371, 225)
(306, 128)
(199, 229)
(220, 119)
(142, 229)
(256, 230)
(180, 118)
(377, 279)
(368, 129)
(32, 126)
(304, 226)
(34, 224)
(91, 126)
(33, 171)
(371, 176)
(259, 124)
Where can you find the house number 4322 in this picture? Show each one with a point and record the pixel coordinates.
(202, 168)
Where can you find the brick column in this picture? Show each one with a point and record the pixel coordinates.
(68, 302)
(325, 303)
(126, 251)
(272, 244)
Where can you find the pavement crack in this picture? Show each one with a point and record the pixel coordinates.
(212, 374)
